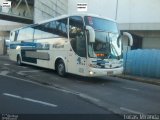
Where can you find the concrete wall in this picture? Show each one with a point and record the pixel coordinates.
(5, 28)
(151, 39)
(142, 16)
(151, 42)
(105, 8)
(8, 26)
(138, 11)
(131, 14)
(3, 36)
(42, 10)
(2, 48)
(46, 9)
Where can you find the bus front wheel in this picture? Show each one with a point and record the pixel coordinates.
(19, 62)
(61, 68)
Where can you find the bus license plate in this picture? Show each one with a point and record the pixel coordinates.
(110, 73)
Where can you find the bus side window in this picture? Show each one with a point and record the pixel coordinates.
(53, 28)
(76, 34)
(62, 27)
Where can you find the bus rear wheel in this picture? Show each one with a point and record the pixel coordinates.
(19, 62)
(61, 68)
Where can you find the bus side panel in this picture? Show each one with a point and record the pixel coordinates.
(13, 54)
(26, 57)
(58, 49)
(13, 51)
(43, 58)
(62, 54)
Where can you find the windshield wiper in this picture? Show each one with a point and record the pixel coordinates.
(113, 48)
(115, 51)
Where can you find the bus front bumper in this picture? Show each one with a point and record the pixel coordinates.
(105, 72)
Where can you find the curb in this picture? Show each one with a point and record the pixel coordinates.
(140, 79)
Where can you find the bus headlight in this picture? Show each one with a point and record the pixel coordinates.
(18, 47)
(91, 73)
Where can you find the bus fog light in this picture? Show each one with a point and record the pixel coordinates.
(91, 73)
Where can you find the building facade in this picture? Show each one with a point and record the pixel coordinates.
(139, 17)
(46, 9)
(23, 12)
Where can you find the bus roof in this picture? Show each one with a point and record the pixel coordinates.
(82, 15)
(64, 16)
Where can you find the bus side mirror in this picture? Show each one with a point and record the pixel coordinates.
(129, 37)
(91, 34)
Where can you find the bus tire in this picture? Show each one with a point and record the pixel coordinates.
(61, 68)
(19, 62)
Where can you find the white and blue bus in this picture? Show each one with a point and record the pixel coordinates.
(85, 45)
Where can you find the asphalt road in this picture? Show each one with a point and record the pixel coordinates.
(105, 93)
(18, 96)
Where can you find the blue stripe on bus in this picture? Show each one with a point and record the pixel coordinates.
(30, 44)
(100, 61)
(38, 46)
(33, 47)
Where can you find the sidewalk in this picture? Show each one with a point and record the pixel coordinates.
(140, 79)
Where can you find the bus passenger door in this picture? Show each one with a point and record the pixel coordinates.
(77, 50)
(77, 56)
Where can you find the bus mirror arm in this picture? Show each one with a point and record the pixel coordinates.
(129, 37)
(91, 34)
(118, 40)
(125, 34)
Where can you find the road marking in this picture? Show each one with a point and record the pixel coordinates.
(30, 100)
(130, 111)
(87, 97)
(7, 64)
(82, 95)
(10, 95)
(32, 82)
(23, 72)
(133, 89)
(59, 88)
(4, 73)
(21, 66)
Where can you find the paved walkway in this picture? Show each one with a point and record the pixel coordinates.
(141, 79)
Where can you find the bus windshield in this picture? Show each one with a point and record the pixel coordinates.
(106, 35)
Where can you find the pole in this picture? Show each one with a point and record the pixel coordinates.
(116, 10)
